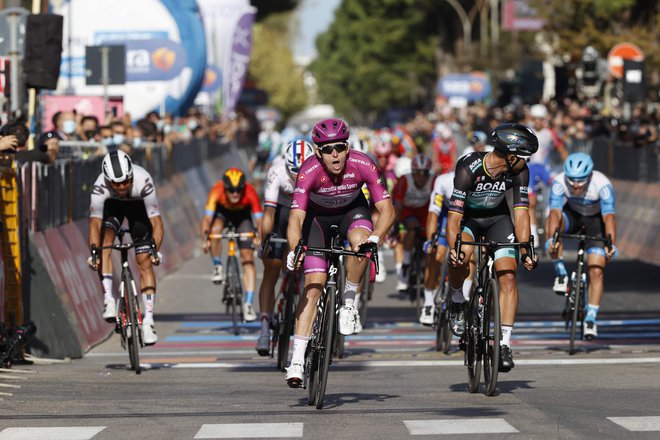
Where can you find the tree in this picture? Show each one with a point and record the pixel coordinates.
(377, 55)
(602, 24)
(272, 66)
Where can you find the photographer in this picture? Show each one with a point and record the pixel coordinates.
(14, 136)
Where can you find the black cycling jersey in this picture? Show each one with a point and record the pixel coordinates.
(477, 194)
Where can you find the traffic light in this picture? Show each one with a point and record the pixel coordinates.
(590, 73)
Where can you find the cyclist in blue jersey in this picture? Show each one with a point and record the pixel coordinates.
(581, 196)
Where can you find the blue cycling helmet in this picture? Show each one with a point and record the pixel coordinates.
(578, 166)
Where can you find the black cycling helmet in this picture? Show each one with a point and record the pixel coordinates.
(515, 139)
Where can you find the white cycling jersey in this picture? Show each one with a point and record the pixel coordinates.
(442, 189)
(546, 143)
(142, 189)
(598, 198)
(279, 185)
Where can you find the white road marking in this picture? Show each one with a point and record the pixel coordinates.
(458, 426)
(250, 430)
(651, 423)
(380, 364)
(51, 433)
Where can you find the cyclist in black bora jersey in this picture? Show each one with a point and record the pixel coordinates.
(478, 208)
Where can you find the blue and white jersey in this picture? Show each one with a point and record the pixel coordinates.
(598, 198)
(442, 189)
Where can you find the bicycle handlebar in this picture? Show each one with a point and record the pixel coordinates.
(230, 235)
(492, 245)
(371, 253)
(582, 236)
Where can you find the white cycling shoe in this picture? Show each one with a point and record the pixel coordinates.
(560, 286)
(347, 319)
(149, 336)
(248, 313)
(381, 276)
(218, 275)
(427, 316)
(294, 375)
(590, 330)
(358, 324)
(109, 310)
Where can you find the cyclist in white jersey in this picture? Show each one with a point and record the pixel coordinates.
(126, 191)
(581, 196)
(280, 184)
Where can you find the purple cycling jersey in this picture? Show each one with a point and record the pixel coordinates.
(323, 192)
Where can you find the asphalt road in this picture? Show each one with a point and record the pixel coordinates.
(201, 381)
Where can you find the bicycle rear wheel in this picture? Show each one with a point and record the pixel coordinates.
(235, 294)
(419, 283)
(366, 294)
(473, 350)
(491, 337)
(576, 293)
(133, 324)
(326, 339)
(312, 369)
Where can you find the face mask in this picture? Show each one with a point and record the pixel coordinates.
(167, 128)
(192, 124)
(107, 141)
(118, 139)
(89, 134)
(160, 124)
(137, 142)
(69, 126)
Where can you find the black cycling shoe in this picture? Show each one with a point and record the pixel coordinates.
(457, 318)
(506, 359)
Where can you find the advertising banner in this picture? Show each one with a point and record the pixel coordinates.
(519, 15)
(238, 61)
(472, 87)
(165, 50)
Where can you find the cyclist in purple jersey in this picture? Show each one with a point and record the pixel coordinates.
(329, 192)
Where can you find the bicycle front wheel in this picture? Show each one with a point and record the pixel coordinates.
(473, 350)
(366, 293)
(235, 293)
(492, 331)
(133, 324)
(576, 294)
(442, 331)
(327, 340)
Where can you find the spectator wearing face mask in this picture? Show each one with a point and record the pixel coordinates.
(64, 126)
(89, 126)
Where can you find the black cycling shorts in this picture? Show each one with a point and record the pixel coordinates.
(116, 210)
(241, 220)
(595, 225)
(497, 228)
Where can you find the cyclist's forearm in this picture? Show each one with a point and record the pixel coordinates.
(610, 226)
(294, 228)
(206, 225)
(267, 222)
(554, 221)
(453, 227)
(521, 224)
(157, 230)
(94, 237)
(431, 224)
(385, 218)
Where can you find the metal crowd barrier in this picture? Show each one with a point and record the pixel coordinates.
(620, 160)
(58, 193)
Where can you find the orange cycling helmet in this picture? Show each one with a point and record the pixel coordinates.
(234, 180)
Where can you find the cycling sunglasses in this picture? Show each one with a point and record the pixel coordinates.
(422, 172)
(339, 147)
(577, 182)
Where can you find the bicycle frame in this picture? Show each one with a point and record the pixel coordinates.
(233, 286)
(576, 297)
(322, 341)
(129, 317)
(482, 308)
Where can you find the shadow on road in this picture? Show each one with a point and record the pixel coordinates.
(503, 387)
(337, 400)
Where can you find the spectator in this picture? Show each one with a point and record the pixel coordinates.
(89, 126)
(17, 135)
(64, 126)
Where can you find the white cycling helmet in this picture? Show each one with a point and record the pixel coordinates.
(403, 166)
(295, 154)
(117, 166)
(538, 111)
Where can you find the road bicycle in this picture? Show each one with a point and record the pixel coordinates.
(129, 317)
(539, 213)
(416, 272)
(321, 345)
(232, 293)
(286, 302)
(576, 296)
(481, 340)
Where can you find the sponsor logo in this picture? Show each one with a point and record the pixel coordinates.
(438, 200)
(523, 189)
(473, 166)
(312, 168)
(495, 186)
(294, 204)
(605, 193)
(345, 187)
(459, 203)
(148, 189)
(299, 190)
(349, 176)
(458, 193)
(557, 188)
(324, 179)
(301, 177)
(373, 167)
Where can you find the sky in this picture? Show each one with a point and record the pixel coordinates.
(314, 17)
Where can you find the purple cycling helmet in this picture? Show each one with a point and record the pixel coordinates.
(329, 130)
